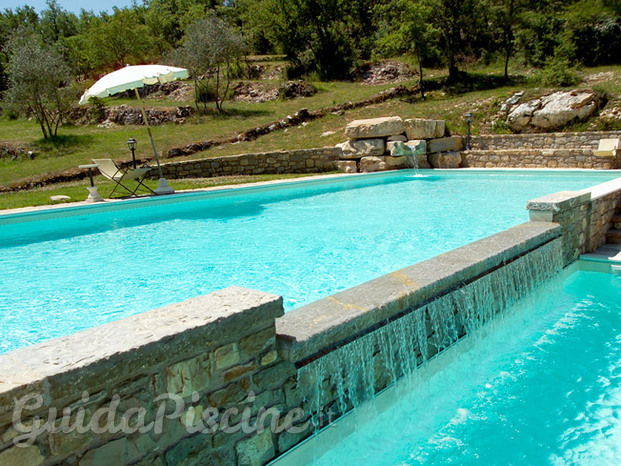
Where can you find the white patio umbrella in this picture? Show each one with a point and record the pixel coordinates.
(135, 77)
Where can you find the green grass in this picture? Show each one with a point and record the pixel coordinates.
(77, 190)
(79, 144)
(482, 94)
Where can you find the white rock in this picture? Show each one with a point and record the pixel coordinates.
(60, 198)
(374, 128)
(554, 111)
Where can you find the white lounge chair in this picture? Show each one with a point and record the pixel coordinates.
(109, 169)
(608, 148)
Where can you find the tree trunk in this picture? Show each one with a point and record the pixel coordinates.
(420, 74)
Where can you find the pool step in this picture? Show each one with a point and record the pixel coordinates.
(610, 253)
(613, 236)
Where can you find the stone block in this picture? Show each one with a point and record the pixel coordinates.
(256, 450)
(418, 146)
(28, 456)
(374, 128)
(186, 377)
(397, 138)
(396, 163)
(419, 128)
(372, 164)
(362, 148)
(450, 144)
(227, 356)
(346, 166)
(445, 160)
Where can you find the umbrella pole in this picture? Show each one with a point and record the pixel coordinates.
(162, 185)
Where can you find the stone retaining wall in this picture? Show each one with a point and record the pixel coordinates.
(585, 216)
(538, 158)
(585, 140)
(285, 161)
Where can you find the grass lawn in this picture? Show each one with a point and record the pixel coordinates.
(77, 145)
(482, 95)
(77, 190)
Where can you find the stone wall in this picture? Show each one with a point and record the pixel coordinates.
(210, 351)
(584, 140)
(585, 216)
(351, 345)
(234, 350)
(538, 158)
(285, 161)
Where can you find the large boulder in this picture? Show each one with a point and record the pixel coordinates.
(419, 128)
(346, 166)
(450, 144)
(553, 111)
(445, 160)
(372, 164)
(362, 148)
(374, 128)
(396, 163)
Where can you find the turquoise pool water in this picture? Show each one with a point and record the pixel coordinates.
(542, 387)
(303, 241)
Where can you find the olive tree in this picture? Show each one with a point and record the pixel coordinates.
(38, 80)
(211, 50)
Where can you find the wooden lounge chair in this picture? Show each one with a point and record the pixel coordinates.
(109, 169)
(608, 148)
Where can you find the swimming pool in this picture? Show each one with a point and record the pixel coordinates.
(539, 385)
(302, 240)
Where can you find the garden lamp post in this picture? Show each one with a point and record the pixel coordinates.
(468, 122)
(132, 143)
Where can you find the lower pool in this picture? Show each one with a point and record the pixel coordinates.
(75, 269)
(542, 385)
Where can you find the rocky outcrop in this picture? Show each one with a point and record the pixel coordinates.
(552, 111)
(124, 115)
(388, 71)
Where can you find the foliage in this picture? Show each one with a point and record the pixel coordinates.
(38, 80)
(557, 72)
(407, 29)
(211, 51)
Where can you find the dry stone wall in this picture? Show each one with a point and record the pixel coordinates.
(286, 161)
(538, 158)
(585, 140)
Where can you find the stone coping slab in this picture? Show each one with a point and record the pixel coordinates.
(564, 200)
(323, 325)
(559, 201)
(103, 355)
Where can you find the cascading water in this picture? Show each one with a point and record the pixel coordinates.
(352, 374)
